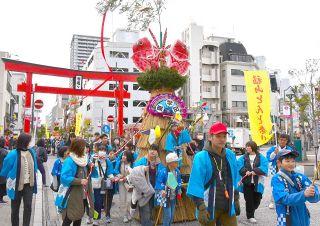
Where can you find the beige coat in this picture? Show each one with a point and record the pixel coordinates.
(75, 208)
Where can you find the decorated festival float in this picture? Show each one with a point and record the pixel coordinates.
(164, 68)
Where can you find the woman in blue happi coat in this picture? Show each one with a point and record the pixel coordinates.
(175, 139)
(75, 191)
(213, 180)
(291, 190)
(252, 166)
(20, 168)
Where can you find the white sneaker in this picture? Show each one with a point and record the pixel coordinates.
(125, 220)
(252, 220)
(271, 206)
(96, 222)
(89, 220)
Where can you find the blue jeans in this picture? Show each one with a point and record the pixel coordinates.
(98, 202)
(168, 213)
(146, 213)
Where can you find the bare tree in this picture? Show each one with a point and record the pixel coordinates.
(306, 98)
(140, 13)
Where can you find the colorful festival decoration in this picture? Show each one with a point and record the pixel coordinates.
(258, 94)
(147, 56)
(166, 105)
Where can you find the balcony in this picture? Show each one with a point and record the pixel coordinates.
(211, 92)
(211, 75)
(210, 58)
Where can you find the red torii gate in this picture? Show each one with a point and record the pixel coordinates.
(28, 88)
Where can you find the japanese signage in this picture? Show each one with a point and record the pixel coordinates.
(258, 94)
(77, 82)
(78, 124)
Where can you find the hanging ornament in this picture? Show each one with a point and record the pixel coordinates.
(157, 131)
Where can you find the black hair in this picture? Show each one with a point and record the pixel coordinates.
(285, 136)
(103, 135)
(97, 134)
(253, 145)
(130, 145)
(129, 155)
(41, 143)
(2, 142)
(288, 156)
(62, 150)
(72, 135)
(102, 147)
(23, 141)
(154, 147)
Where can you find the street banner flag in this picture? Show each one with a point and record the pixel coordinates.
(258, 95)
(78, 124)
(47, 131)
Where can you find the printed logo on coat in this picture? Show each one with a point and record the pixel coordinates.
(11, 184)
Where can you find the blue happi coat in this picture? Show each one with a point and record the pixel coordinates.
(201, 174)
(56, 169)
(174, 144)
(171, 142)
(293, 198)
(68, 174)
(161, 182)
(273, 162)
(144, 162)
(11, 170)
(263, 167)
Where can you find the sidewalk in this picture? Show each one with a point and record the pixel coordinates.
(36, 215)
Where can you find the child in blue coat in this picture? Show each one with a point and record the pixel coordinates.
(57, 166)
(169, 188)
(291, 190)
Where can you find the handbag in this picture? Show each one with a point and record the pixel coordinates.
(106, 183)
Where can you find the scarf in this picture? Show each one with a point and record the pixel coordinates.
(80, 161)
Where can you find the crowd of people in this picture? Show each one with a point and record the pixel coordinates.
(87, 175)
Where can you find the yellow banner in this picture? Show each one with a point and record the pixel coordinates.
(78, 124)
(47, 132)
(258, 94)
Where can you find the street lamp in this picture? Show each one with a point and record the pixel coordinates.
(290, 95)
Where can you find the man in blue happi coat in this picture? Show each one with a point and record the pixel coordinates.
(213, 180)
(175, 139)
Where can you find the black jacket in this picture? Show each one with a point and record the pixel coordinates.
(3, 154)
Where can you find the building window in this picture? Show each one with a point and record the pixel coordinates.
(139, 103)
(119, 69)
(135, 70)
(137, 87)
(224, 89)
(125, 120)
(224, 104)
(117, 54)
(112, 103)
(125, 103)
(112, 86)
(126, 87)
(135, 119)
(88, 107)
(238, 88)
(237, 72)
(207, 89)
(239, 104)
(211, 48)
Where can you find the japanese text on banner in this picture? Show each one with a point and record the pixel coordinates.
(78, 124)
(258, 95)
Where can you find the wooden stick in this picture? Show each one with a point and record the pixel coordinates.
(316, 173)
